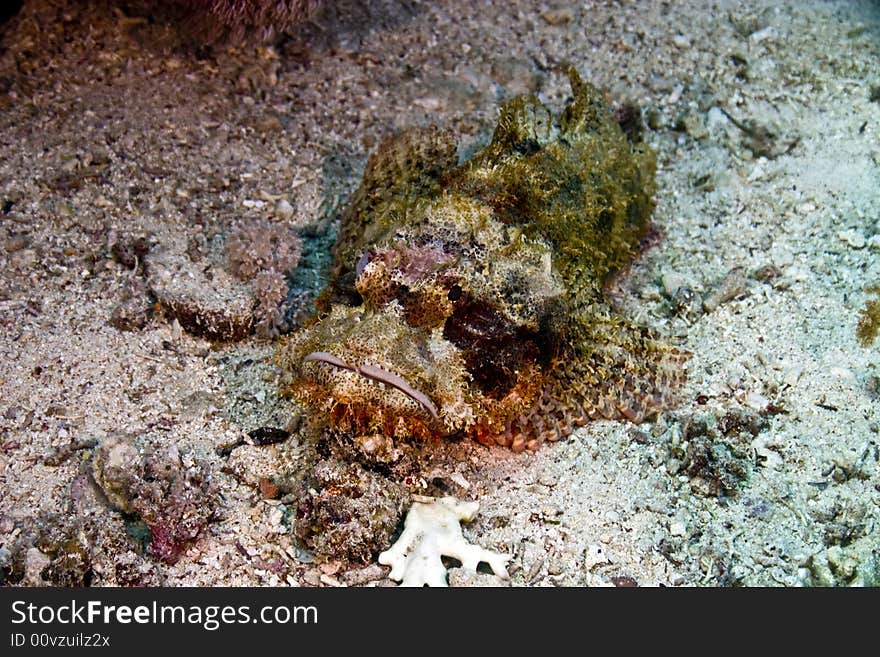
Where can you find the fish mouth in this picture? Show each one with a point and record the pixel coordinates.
(361, 371)
(376, 373)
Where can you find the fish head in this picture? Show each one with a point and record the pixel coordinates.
(451, 327)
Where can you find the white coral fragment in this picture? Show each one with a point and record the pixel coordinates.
(431, 531)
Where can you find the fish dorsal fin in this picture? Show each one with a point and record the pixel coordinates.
(404, 169)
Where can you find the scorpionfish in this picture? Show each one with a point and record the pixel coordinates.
(470, 298)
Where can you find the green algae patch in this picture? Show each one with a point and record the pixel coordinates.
(869, 319)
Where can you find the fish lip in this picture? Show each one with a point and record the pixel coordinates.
(327, 357)
(379, 374)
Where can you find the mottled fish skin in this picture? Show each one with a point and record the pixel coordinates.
(469, 299)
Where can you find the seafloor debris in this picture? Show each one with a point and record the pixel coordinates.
(470, 299)
(263, 254)
(258, 247)
(80, 542)
(348, 511)
(854, 565)
(869, 319)
(49, 549)
(228, 296)
(715, 452)
(216, 307)
(432, 531)
(731, 286)
(151, 483)
(764, 140)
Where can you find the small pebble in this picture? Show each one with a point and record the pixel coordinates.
(268, 489)
(330, 581)
(770, 458)
(853, 238)
(767, 273)
(716, 119)
(792, 375)
(781, 256)
(842, 563)
(34, 563)
(312, 577)
(756, 401)
(430, 104)
(371, 573)
(842, 373)
(556, 567)
(284, 210)
(330, 567)
(757, 172)
(276, 516)
(767, 34)
(677, 529)
(807, 208)
(594, 556)
(695, 126)
(558, 16)
(681, 42)
(624, 581)
(301, 555)
(612, 516)
(730, 287)
(550, 511)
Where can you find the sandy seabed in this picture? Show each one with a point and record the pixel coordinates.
(766, 120)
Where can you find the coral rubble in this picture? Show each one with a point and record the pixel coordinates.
(348, 511)
(264, 254)
(469, 299)
(151, 483)
(432, 531)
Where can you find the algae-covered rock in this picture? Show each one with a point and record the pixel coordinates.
(217, 307)
(150, 482)
(854, 565)
(469, 299)
(348, 511)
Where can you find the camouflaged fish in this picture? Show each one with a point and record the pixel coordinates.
(469, 299)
